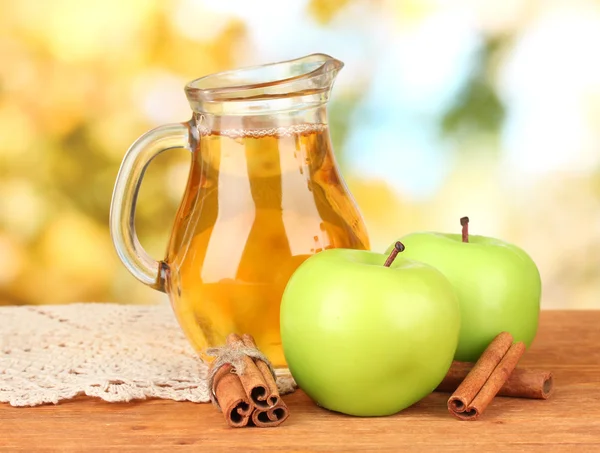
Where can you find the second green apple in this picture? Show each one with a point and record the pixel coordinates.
(498, 285)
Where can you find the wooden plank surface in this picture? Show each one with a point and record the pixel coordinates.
(568, 343)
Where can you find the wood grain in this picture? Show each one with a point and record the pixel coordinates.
(568, 343)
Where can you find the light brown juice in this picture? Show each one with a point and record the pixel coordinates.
(258, 203)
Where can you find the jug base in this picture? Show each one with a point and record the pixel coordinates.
(283, 372)
(285, 381)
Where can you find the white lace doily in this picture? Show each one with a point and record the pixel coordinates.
(115, 352)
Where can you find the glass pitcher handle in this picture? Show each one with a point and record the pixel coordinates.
(122, 209)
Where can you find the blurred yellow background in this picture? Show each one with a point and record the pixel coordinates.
(444, 109)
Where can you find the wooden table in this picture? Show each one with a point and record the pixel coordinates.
(568, 343)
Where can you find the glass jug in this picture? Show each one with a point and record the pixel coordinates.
(263, 194)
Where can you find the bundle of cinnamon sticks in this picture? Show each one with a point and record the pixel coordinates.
(475, 386)
(243, 385)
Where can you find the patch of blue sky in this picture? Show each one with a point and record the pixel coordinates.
(395, 131)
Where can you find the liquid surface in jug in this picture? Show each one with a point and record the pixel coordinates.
(258, 203)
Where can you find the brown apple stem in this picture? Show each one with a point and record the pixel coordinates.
(464, 221)
(398, 247)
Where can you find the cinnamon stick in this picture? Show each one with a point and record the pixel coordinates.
(271, 417)
(529, 384)
(272, 397)
(483, 369)
(243, 384)
(232, 398)
(522, 383)
(252, 378)
(486, 378)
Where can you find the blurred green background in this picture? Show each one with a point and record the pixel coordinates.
(444, 109)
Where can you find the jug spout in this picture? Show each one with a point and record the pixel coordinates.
(285, 85)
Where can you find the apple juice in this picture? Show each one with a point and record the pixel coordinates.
(258, 203)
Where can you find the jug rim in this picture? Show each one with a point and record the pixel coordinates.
(216, 86)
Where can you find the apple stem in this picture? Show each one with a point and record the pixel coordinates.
(398, 247)
(464, 221)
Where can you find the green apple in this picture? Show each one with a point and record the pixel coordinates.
(366, 339)
(498, 285)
